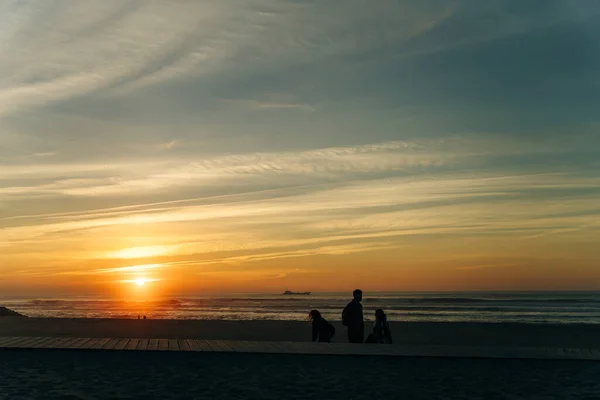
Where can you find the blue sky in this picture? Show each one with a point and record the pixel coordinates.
(222, 135)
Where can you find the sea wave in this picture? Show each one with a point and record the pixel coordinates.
(488, 307)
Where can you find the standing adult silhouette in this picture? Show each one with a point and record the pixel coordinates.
(352, 317)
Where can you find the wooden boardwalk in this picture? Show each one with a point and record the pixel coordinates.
(227, 346)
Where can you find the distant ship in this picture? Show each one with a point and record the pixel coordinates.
(288, 292)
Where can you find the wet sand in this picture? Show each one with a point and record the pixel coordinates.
(44, 374)
(463, 334)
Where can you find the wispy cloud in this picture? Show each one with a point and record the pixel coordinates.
(117, 46)
(261, 105)
(485, 266)
(45, 154)
(327, 162)
(322, 250)
(196, 135)
(130, 269)
(133, 269)
(388, 208)
(297, 168)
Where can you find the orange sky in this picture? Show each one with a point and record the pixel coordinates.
(414, 263)
(205, 146)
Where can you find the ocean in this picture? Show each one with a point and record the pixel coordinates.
(493, 307)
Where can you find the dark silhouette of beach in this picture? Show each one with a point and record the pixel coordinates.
(5, 312)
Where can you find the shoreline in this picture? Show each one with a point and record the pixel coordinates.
(410, 333)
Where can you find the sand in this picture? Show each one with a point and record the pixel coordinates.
(46, 374)
(463, 334)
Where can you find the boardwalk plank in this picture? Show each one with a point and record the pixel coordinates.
(100, 343)
(299, 348)
(40, 342)
(576, 353)
(75, 344)
(29, 343)
(274, 347)
(214, 346)
(25, 342)
(248, 346)
(163, 344)
(90, 344)
(548, 352)
(285, 347)
(266, 347)
(587, 353)
(296, 348)
(142, 345)
(57, 343)
(68, 343)
(153, 344)
(572, 353)
(132, 345)
(224, 346)
(239, 346)
(183, 345)
(204, 346)
(84, 344)
(111, 344)
(14, 341)
(121, 344)
(5, 339)
(194, 345)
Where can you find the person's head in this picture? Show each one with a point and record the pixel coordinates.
(357, 294)
(380, 315)
(315, 315)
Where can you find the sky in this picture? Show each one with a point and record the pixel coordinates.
(264, 145)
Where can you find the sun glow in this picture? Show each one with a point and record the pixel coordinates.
(140, 252)
(138, 281)
(131, 268)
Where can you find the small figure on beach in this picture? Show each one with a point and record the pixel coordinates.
(381, 329)
(322, 331)
(352, 317)
(144, 317)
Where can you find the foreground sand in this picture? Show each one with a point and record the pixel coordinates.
(463, 334)
(44, 374)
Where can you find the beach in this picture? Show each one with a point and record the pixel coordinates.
(30, 374)
(442, 333)
(45, 374)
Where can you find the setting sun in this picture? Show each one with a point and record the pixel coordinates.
(140, 282)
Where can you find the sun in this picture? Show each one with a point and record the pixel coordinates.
(140, 282)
